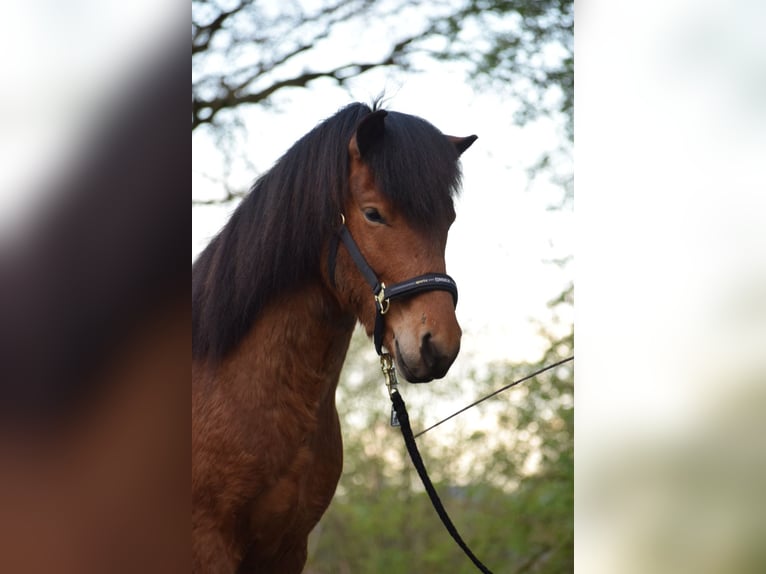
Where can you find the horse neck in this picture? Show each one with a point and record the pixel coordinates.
(295, 349)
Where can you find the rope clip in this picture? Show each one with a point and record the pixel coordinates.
(389, 373)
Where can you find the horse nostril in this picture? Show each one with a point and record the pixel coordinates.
(434, 358)
(427, 350)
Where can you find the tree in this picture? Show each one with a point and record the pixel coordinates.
(526, 50)
(245, 52)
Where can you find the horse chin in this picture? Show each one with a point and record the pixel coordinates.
(410, 376)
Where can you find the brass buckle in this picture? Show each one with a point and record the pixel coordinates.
(380, 298)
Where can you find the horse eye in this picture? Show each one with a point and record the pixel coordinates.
(373, 215)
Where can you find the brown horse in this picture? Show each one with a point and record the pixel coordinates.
(272, 324)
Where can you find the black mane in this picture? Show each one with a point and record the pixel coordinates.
(273, 241)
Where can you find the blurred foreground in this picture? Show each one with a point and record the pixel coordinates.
(671, 207)
(95, 326)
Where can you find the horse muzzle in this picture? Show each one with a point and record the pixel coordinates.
(422, 357)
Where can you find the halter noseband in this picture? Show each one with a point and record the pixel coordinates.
(382, 293)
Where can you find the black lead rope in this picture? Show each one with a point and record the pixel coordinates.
(399, 417)
(409, 440)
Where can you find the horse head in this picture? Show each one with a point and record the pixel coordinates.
(403, 173)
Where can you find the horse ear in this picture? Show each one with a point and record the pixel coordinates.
(368, 132)
(462, 144)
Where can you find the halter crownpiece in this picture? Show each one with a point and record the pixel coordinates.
(382, 293)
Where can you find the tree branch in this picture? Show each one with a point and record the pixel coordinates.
(205, 110)
(203, 34)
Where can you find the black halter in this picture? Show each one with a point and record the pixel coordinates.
(382, 293)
